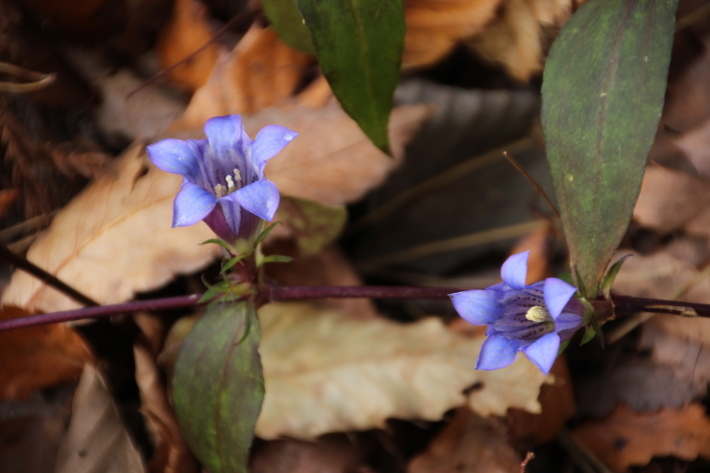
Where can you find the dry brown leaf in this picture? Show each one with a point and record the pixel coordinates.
(469, 443)
(538, 244)
(38, 357)
(330, 454)
(669, 199)
(514, 38)
(7, 199)
(128, 210)
(172, 454)
(659, 275)
(96, 439)
(327, 372)
(187, 31)
(114, 240)
(434, 27)
(627, 438)
(261, 71)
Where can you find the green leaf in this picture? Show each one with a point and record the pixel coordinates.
(288, 23)
(611, 275)
(276, 259)
(265, 233)
(218, 386)
(359, 46)
(219, 242)
(588, 336)
(314, 225)
(229, 264)
(603, 92)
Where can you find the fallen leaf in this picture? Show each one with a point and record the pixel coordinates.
(658, 275)
(669, 199)
(627, 438)
(322, 377)
(687, 104)
(129, 209)
(329, 454)
(7, 199)
(38, 357)
(469, 443)
(514, 38)
(96, 440)
(434, 27)
(126, 211)
(261, 71)
(187, 31)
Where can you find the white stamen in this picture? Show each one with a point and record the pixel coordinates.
(237, 175)
(219, 191)
(230, 184)
(538, 313)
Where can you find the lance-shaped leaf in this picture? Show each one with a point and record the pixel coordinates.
(603, 93)
(288, 23)
(218, 386)
(359, 46)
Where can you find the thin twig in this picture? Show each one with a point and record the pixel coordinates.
(38, 80)
(538, 188)
(23, 264)
(524, 464)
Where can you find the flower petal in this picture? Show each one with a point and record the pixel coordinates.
(269, 142)
(568, 321)
(515, 270)
(176, 157)
(224, 133)
(497, 352)
(477, 307)
(543, 352)
(260, 198)
(557, 295)
(192, 204)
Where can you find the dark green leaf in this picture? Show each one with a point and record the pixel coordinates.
(359, 45)
(588, 336)
(288, 23)
(603, 92)
(229, 264)
(218, 386)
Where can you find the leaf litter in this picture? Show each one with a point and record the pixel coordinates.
(338, 373)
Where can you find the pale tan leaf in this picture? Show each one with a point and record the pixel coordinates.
(326, 372)
(96, 439)
(261, 71)
(514, 38)
(434, 27)
(114, 240)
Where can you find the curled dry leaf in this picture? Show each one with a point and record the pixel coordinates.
(469, 443)
(627, 438)
(326, 372)
(261, 71)
(434, 27)
(514, 38)
(128, 210)
(38, 357)
(187, 31)
(96, 440)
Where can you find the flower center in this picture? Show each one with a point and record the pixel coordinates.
(221, 191)
(538, 314)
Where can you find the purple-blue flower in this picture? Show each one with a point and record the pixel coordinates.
(224, 182)
(533, 319)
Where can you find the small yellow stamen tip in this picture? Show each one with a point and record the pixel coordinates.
(538, 313)
(230, 184)
(237, 175)
(219, 191)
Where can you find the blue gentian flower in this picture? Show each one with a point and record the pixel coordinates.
(224, 182)
(533, 319)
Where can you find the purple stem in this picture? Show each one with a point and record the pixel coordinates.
(624, 305)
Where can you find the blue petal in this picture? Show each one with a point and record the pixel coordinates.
(568, 321)
(269, 142)
(543, 352)
(225, 134)
(192, 204)
(260, 198)
(497, 352)
(557, 295)
(515, 270)
(477, 307)
(176, 157)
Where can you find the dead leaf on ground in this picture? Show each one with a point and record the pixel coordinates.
(658, 275)
(187, 31)
(669, 199)
(128, 211)
(469, 443)
(434, 27)
(627, 438)
(326, 372)
(38, 357)
(329, 454)
(172, 454)
(96, 440)
(514, 38)
(261, 71)
(7, 199)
